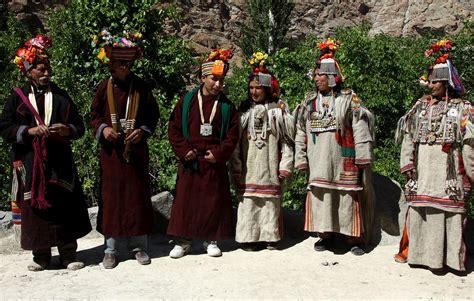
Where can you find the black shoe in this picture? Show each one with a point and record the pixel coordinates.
(249, 246)
(323, 244)
(357, 250)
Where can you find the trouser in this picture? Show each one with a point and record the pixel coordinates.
(67, 253)
(134, 243)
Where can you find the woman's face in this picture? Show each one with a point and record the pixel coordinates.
(321, 81)
(257, 92)
(438, 88)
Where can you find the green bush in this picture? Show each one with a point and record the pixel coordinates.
(10, 40)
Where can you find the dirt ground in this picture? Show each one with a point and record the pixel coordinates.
(293, 272)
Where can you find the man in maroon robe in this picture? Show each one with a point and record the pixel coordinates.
(124, 114)
(39, 121)
(203, 131)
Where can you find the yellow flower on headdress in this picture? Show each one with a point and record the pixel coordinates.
(103, 56)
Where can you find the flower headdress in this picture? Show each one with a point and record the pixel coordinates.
(220, 54)
(216, 62)
(327, 64)
(440, 65)
(125, 47)
(328, 48)
(260, 62)
(33, 52)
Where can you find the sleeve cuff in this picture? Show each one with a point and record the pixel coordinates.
(99, 131)
(362, 161)
(303, 166)
(20, 133)
(284, 173)
(407, 167)
(73, 132)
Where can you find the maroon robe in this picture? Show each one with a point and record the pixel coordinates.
(67, 219)
(202, 207)
(125, 195)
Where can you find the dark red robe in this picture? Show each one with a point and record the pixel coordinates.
(202, 207)
(67, 219)
(125, 195)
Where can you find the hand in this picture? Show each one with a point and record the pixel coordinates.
(191, 155)
(135, 136)
(209, 157)
(411, 174)
(59, 128)
(38, 131)
(237, 178)
(110, 134)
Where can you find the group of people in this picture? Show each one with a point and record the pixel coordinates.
(330, 135)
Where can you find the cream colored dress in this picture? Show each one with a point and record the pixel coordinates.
(334, 141)
(265, 151)
(437, 141)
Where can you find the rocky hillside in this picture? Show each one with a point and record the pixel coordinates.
(211, 23)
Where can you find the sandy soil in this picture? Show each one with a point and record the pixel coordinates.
(295, 272)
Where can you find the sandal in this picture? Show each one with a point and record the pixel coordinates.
(400, 258)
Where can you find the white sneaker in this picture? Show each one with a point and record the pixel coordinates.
(212, 249)
(179, 251)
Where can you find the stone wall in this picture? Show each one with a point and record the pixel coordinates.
(212, 23)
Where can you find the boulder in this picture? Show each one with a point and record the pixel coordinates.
(5, 223)
(162, 204)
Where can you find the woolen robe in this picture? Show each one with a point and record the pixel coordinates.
(125, 194)
(202, 207)
(67, 219)
(264, 152)
(438, 142)
(335, 159)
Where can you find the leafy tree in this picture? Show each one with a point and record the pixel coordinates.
(269, 22)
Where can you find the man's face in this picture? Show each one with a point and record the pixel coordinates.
(119, 69)
(213, 84)
(321, 81)
(40, 74)
(257, 92)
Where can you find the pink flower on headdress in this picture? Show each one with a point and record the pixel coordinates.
(126, 42)
(40, 41)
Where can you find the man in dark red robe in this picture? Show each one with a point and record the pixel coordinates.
(39, 121)
(124, 114)
(203, 131)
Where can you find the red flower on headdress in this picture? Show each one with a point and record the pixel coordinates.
(330, 46)
(220, 54)
(442, 59)
(34, 50)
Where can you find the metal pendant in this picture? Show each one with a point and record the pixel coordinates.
(206, 129)
(259, 143)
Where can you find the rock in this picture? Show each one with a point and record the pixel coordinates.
(162, 204)
(217, 22)
(93, 211)
(390, 209)
(5, 223)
